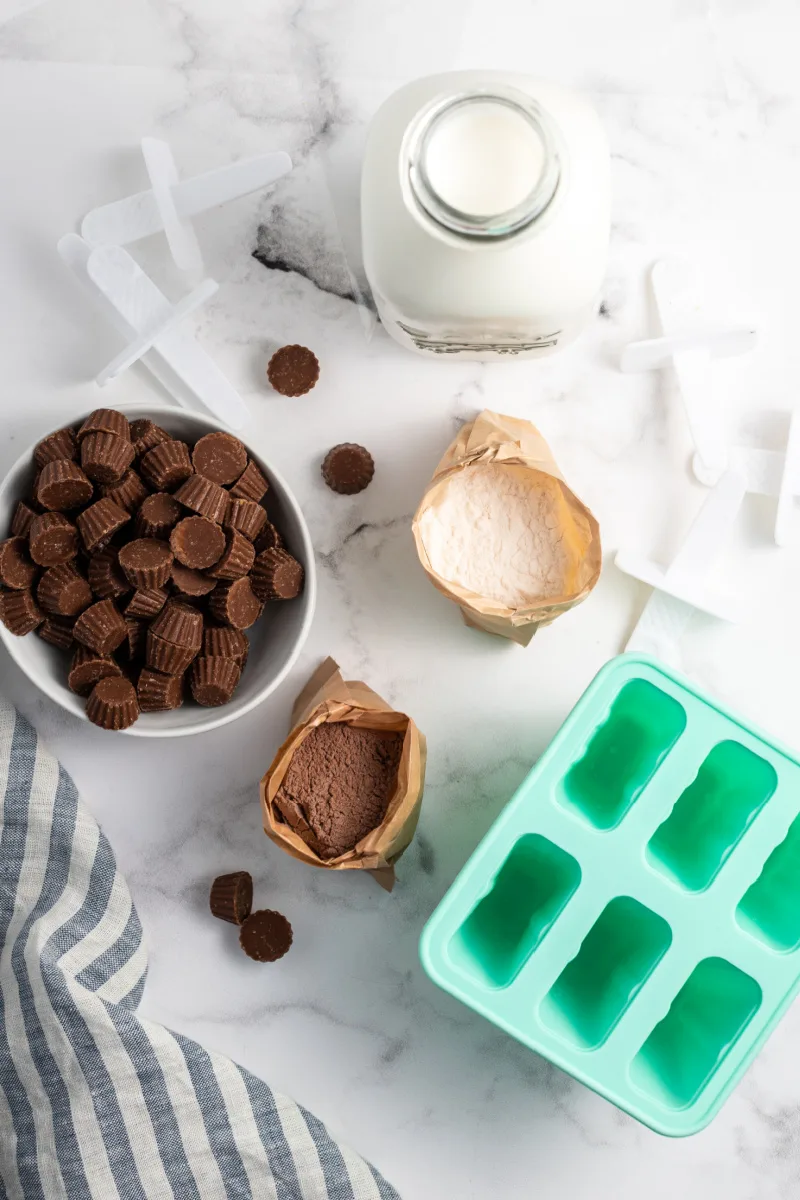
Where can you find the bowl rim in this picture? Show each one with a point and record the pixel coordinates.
(55, 692)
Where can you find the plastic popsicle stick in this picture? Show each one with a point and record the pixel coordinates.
(661, 625)
(138, 216)
(179, 232)
(652, 353)
(716, 516)
(139, 347)
(790, 484)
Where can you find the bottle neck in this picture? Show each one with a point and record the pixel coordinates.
(482, 165)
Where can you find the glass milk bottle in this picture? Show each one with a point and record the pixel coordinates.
(485, 214)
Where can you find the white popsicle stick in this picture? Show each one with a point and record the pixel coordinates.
(652, 353)
(178, 230)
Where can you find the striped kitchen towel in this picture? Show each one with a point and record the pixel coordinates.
(94, 1101)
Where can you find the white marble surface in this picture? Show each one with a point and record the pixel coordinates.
(701, 100)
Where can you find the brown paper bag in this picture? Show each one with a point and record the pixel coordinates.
(327, 697)
(492, 438)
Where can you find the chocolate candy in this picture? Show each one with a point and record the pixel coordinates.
(61, 444)
(53, 539)
(23, 518)
(105, 420)
(87, 667)
(112, 703)
(293, 370)
(100, 521)
(128, 493)
(268, 539)
(147, 562)
(197, 542)
(158, 514)
(146, 602)
(189, 582)
(101, 627)
(179, 624)
(106, 577)
(166, 465)
(237, 558)
(220, 457)
(145, 434)
(203, 496)
(222, 641)
(19, 612)
(105, 457)
(164, 656)
(62, 485)
(213, 680)
(245, 516)
(276, 576)
(158, 692)
(135, 637)
(16, 569)
(235, 604)
(251, 484)
(57, 631)
(348, 468)
(265, 935)
(231, 897)
(64, 591)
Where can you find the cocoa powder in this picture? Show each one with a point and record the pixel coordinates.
(338, 785)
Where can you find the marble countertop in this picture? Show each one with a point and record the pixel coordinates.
(701, 100)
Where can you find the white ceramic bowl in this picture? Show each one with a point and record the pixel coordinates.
(275, 639)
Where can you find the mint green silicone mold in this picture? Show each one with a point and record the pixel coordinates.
(634, 913)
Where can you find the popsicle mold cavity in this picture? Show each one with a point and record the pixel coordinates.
(617, 955)
(704, 1020)
(624, 753)
(524, 899)
(711, 814)
(770, 908)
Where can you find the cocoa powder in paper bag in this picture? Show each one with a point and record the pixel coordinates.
(518, 446)
(328, 698)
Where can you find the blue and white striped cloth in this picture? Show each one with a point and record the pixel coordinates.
(96, 1103)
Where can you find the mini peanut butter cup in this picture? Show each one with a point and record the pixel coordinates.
(251, 484)
(203, 496)
(129, 493)
(157, 515)
(213, 680)
(105, 457)
(231, 897)
(268, 539)
(145, 434)
(99, 522)
(188, 582)
(222, 641)
(146, 602)
(112, 703)
(19, 612)
(237, 558)
(106, 577)
(64, 591)
(24, 516)
(348, 468)
(293, 370)
(62, 485)
(105, 420)
(158, 692)
(135, 638)
(220, 457)
(197, 542)
(147, 562)
(265, 935)
(246, 517)
(276, 576)
(87, 668)
(53, 539)
(57, 631)
(180, 624)
(166, 465)
(235, 604)
(166, 657)
(16, 569)
(101, 627)
(61, 444)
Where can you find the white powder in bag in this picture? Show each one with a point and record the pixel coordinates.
(495, 530)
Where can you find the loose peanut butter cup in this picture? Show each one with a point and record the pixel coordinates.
(135, 638)
(16, 569)
(53, 539)
(268, 539)
(179, 624)
(166, 465)
(99, 522)
(145, 434)
(222, 641)
(348, 468)
(189, 582)
(213, 680)
(62, 485)
(246, 517)
(237, 559)
(105, 420)
(157, 515)
(106, 578)
(203, 496)
(113, 704)
(147, 562)
(276, 576)
(231, 897)
(220, 457)
(57, 631)
(24, 516)
(265, 935)
(293, 370)
(164, 656)
(158, 692)
(251, 484)
(87, 667)
(235, 604)
(105, 457)
(60, 444)
(146, 602)
(101, 627)
(19, 612)
(197, 542)
(129, 493)
(64, 591)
